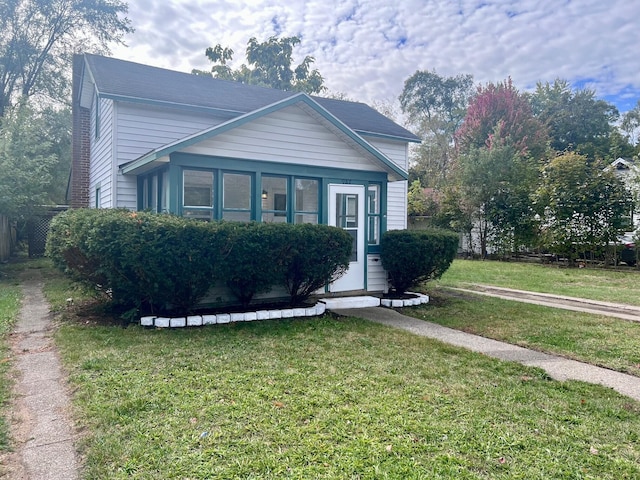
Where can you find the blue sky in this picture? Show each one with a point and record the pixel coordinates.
(366, 49)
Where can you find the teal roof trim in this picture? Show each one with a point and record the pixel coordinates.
(170, 148)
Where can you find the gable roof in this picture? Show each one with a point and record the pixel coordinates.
(129, 81)
(300, 99)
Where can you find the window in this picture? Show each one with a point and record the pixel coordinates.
(164, 197)
(236, 197)
(274, 198)
(198, 194)
(306, 200)
(98, 199)
(373, 214)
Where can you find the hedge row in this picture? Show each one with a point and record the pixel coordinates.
(414, 256)
(159, 263)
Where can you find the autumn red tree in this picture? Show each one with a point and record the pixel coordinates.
(499, 110)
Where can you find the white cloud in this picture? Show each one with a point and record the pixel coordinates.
(367, 48)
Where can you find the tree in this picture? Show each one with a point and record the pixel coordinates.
(576, 120)
(269, 65)
(631, 124)
(26, 162)
(584, 206)
(501, 107)
(37, 38)
(435, 106)
(496, 184)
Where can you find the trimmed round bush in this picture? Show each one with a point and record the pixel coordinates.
(414, 256)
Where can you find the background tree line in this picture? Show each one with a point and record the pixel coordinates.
(523, 171)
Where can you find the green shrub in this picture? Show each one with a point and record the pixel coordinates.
(316, 255)
(252, 263)
(145, 261)
(414, 256)
(163, 264)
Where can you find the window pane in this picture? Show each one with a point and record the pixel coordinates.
(374, 199)
(306, 195)
(374, 230)
(274, 197)
(198, 188)
(236, 216)
(306, 218)
(273, 217)
(164, 201)
(154, 194)
(236, 191)
(198, 214)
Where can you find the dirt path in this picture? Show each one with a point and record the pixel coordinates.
(41, 427)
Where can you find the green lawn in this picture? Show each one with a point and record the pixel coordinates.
(595, 339)
(622, 286)
(328, 398)
(10, 295)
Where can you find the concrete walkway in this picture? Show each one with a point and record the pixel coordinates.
(41, 426)
(558, 368)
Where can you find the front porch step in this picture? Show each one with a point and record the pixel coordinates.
(341, 303)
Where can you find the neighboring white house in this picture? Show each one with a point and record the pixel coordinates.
(150, 138)
(629, 173)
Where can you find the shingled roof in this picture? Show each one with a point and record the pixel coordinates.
(120, 79)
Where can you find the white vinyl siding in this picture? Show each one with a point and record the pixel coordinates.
(101, 158)
(287, 136)
(143, 128)
(397, 205)
(395, 151)
(376, 275)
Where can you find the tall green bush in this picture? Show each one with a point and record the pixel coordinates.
(163, 264)
(316, 255)
(252, 264)
(145, 261)
(414, 256)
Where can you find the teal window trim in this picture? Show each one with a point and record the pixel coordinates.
(375, 247)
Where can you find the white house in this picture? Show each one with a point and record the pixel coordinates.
(150, 138)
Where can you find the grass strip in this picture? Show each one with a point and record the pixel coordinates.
(597, 339)
(10, 296)
(608, 285)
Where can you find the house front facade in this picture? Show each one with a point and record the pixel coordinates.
(152, 139)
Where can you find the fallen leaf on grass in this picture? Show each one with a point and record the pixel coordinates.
(593, 451)
(278, 404)
(502, 460)
(388, 448)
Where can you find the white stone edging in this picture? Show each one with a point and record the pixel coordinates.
(419, 299)
(220, 318)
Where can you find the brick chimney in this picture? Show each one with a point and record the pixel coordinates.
(81, 141)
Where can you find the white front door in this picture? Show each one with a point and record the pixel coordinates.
(346, 210)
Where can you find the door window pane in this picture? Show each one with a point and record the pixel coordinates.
(347, 218)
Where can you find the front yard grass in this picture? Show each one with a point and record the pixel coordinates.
(596, 339)
(619, 286)
(328, 398)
